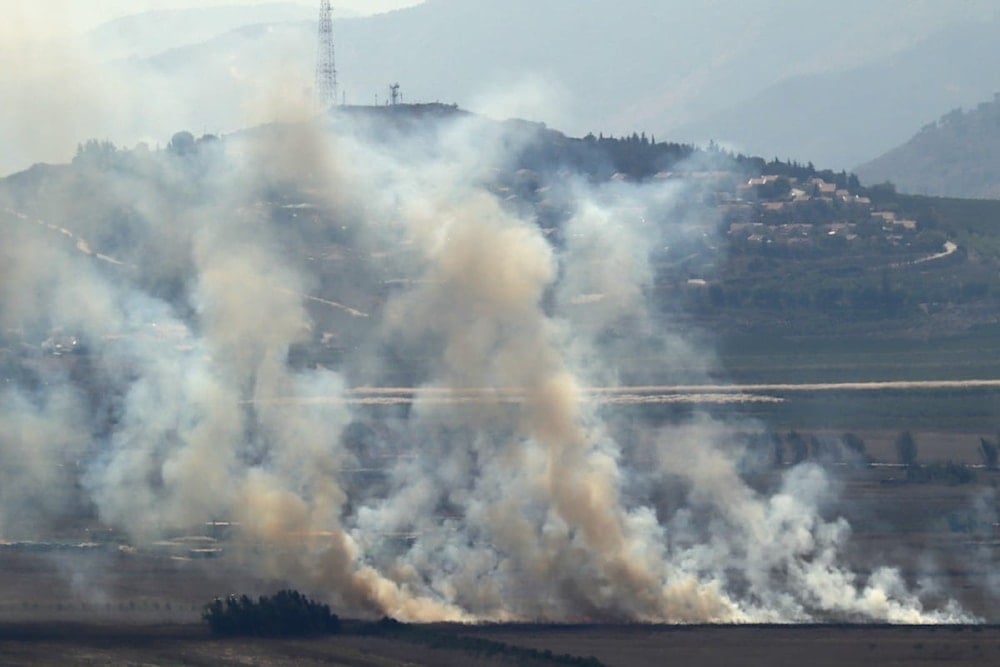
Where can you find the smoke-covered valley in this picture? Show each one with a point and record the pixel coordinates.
(185, 334)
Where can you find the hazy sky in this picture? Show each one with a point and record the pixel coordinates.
(89, 13)
(60, 90)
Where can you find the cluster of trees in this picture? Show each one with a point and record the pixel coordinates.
(105, 155)
(906, 450)
(287, 613)
(795, 448)
(949, 472)
(640, 157)
(101, 154)
(793, 169)
(792, 448)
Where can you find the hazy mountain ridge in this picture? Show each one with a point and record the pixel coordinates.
(148, 33)
(956, 156)
(843, 118)
(551, 60)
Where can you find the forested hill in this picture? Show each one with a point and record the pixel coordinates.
(957, 156)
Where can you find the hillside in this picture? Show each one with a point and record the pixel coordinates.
(755, 245)
(956, 156)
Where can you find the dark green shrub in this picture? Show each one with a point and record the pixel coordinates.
(284, 614)
(990, 453)
(906, 448)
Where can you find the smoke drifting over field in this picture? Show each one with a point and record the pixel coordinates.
(187, 407)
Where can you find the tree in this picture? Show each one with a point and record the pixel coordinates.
(102, 154)
(906, 449)
(779, 450)
(182, 143)
(855, 445)
(990, 453)
(825, 450)
(285, 614)
(800, 450)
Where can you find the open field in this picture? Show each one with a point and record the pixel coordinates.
(973, 412)
(831, 358)
(770, 646)
(629, 645)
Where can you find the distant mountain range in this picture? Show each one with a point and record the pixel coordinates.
(148, 33)
(844, 117)
(957, 156)
(833, 84)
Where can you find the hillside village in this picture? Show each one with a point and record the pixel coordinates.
(775, 207)
(784, 213)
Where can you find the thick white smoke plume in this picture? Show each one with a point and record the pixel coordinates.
(400, 250)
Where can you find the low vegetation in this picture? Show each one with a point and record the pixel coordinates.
(946, 473)
(476, 646)
(285, 614)
(288, 613)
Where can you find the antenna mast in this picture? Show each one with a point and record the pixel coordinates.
(326, 66)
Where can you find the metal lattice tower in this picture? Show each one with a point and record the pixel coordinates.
(326, 66)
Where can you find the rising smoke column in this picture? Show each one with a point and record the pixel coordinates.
(536, 523)
(530, 510)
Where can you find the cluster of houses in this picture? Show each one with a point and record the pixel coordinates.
(782, 211)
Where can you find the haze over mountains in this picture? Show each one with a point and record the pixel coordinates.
(149, 33)
(840, 118)
(957, 156)
(833, 84)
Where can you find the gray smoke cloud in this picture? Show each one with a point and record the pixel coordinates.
(192, 276)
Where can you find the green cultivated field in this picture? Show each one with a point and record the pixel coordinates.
(775, 359)
(975, 356)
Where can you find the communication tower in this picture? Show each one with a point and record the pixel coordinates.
(326, 66)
